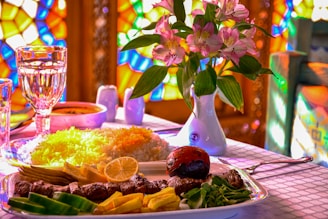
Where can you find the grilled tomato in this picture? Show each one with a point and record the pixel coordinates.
(188, 161)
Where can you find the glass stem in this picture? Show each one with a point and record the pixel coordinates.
(42, 122)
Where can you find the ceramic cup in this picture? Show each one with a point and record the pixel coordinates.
(5, 104)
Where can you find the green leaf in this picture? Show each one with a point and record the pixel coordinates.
(149, 80)
(182, 26)
(245, 25)
(179, 10)
(263, 30)
(185, 80)
(266, 71)
(151, 26)
(193, 63)
(205, 82)
(142, 41)
(230, 92)
(250, 67)
(182, 34)
(210, 13)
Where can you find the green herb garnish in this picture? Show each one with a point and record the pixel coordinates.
(218, 193)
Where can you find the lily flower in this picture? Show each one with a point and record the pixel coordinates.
(169, 50)
(231, 9)
(234, 48)
(204, 40)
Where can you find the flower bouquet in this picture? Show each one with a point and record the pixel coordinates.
(217, 43)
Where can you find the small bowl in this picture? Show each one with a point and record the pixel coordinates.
(81, 115)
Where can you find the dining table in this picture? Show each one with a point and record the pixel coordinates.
(294, 191)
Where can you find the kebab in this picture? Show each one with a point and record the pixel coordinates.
(188, 168)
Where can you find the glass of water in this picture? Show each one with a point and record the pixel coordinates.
(42, 76)
(5, 104)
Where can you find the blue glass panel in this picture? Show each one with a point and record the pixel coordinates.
(276, 30)
(123, 57)
(6, 51)
(60, 43)
(156, 94)
(42, 13)
(42, 27)
(48, 38)
(145, 63)
(47, 3)
(11, 61)
(14, 77)
(140, 63)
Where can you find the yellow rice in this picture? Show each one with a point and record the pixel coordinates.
(94, 146)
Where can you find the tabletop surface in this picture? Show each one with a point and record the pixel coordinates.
(295, 191)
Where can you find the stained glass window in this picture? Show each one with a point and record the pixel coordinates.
(286, 9)
(28, 22)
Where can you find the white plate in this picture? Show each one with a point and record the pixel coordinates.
(259, 193)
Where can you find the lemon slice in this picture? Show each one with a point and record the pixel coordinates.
(121, 169)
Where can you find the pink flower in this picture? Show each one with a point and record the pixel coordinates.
(167, 4)
(169, 51)
(231, 9)
(235, 48)
(248, 40)
(204, 40)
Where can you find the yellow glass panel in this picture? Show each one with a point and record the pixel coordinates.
(60, 30)
(171, 92)
(9, 29)
(124, 78)
(123, 25)
(123, 5)
(23, 20)
(37, 42)
(9, 11)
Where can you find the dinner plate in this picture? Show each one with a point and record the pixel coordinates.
(153, 171)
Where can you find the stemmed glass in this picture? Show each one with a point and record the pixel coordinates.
(42, 76)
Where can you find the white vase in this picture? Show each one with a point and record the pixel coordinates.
(202, 128)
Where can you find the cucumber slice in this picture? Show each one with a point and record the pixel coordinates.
(77, 201)
(24, 204)
(53, 206)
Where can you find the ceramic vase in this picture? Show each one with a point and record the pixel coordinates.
(134, 109)
(202, 128)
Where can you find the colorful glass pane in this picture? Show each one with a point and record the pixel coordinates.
(133, 15)
(28, 22)
(285, 9)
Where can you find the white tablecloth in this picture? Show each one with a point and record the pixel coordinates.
(295, 191)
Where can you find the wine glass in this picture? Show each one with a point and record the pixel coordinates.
(42, 76)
